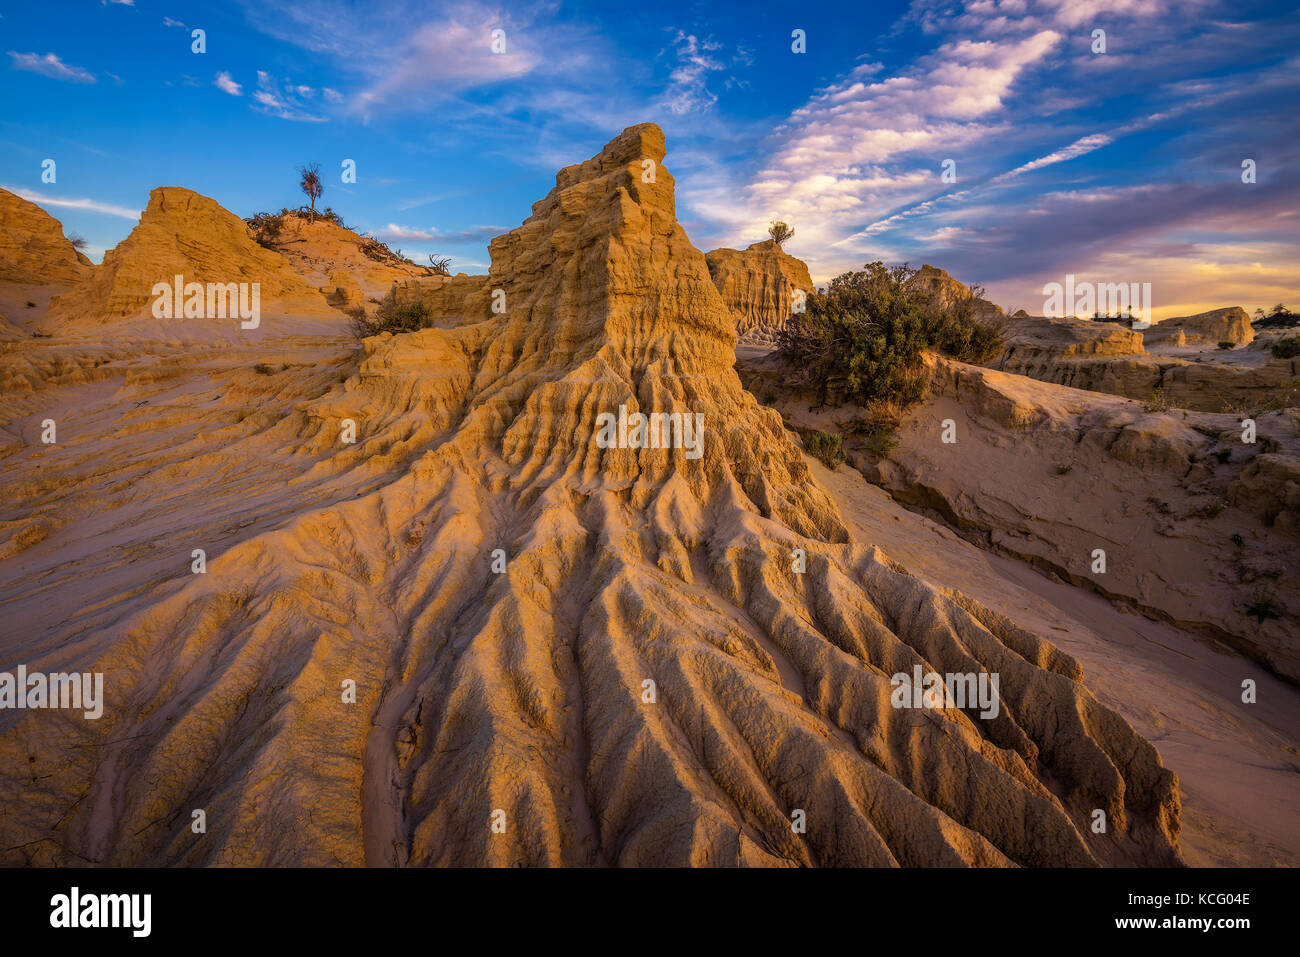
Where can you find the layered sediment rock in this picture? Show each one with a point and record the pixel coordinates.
(758, 286)
(945, 290)
(332, 258)
(567, 651)
(1193, 521)
(1230, 324)
(33, 248)
(180, 233)
(1107, 357)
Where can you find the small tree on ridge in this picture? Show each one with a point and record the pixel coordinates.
(311, 185)
(780, 232)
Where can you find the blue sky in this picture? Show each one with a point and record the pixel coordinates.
(1117, 167)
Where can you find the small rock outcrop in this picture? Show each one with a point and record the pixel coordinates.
(1230, 324)
(757, 285)
(33, 248)
(945, 291)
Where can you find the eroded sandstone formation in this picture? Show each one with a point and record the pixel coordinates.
(1230, 324)
(642, 674)
(758, 285)
(945, 291)
(1107, 357)
(33, 248)
(180, 233)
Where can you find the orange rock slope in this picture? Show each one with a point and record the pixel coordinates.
(180, 233)
(33, 248)
(639, 676)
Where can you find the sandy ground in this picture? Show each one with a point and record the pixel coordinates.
(1237, 764)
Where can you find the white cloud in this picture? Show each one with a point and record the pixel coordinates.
(1078, 148)
(169, 22)
(870, 144)
(91, 205)
(226, 84)
(412, 233)
(688, 90)
(285, 104)
(409, 54)
(51, 66)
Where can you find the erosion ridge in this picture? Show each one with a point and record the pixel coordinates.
(758, 284)
(33, 248)
(180, 233)
(524, 692)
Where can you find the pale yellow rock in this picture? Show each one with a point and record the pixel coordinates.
(1230, 324)
(758, 286)
(324, 253)
(945, 290)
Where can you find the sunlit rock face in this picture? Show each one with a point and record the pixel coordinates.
(564, 651)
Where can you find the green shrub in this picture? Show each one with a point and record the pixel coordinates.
(880, 444)
(1063, 469)
(263, 369)
(1223, 455)
(1287, 348)
(1263, 605)
(825, 446)
(1225, 344)
(395, 317)
(1156, 401)
(1237, 539)
(864, 337)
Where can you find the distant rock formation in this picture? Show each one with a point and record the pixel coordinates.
(180, 233)
(1230, 324)
(33, 248)
(1107, 357)
(945, 290)
(757, 284)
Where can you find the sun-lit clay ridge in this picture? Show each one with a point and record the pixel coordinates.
(180, 233)
(526, 692)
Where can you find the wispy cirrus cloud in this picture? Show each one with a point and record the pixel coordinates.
(50, 65)
(287, 103)
(474, 234)
(90, 205)
(688, 89)
(404, 55)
